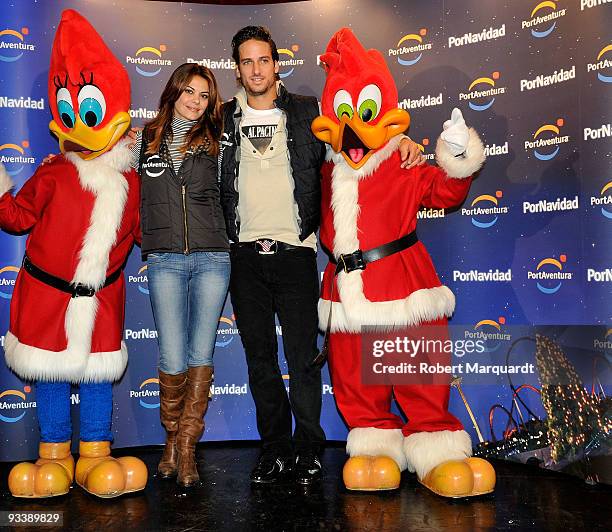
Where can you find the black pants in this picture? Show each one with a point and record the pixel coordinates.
(285, 284)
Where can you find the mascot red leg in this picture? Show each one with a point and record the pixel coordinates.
(66, 324)
(381, 276)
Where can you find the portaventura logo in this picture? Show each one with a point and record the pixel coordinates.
(409, 49)
(15, 162)
(147, 394)
(604, 199)
(491, 332)
(543, 19)
(15, 402)
(602, 64)
(141, 280)
(485, 210)
(148, 60)
(545, 147)
(549, 274)
(13, 45)
(483, 99)
(226, 331)
(8, 275)
(155, 166)
(287, 60)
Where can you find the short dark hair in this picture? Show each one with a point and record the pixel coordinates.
(259, 33)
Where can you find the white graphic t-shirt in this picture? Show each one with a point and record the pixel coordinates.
(259, 126)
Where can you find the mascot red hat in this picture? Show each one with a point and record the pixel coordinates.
(359, 103)
(89, 90)
(381, 276)
(82, 215)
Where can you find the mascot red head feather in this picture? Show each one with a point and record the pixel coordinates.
(82, 77)
(359, 101)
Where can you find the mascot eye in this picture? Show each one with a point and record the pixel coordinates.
(369, 102)
(92, 105)
(64, 107)
(343, 104)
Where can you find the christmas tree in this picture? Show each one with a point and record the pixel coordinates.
(575, 417)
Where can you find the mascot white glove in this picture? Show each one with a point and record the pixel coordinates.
(456, 133)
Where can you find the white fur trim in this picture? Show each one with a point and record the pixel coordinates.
(101, 176)
(33, 363)
(6, 183)
(356, 311)
(371, 441)
(343, 170)
(426, 450)
(461, 167)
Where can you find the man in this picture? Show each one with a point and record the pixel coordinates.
(270, 192)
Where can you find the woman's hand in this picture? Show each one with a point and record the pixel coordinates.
(132, 134)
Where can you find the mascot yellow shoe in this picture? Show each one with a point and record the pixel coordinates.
(443, 464)
(98, 473)
(371, 473)
(467, 478)
(50, 476)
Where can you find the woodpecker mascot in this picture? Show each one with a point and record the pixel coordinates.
(67, 309)
(381, 275)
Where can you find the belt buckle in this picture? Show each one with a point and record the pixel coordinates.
(359, 262)
(266, 246)
(81, 290)
(356, 259)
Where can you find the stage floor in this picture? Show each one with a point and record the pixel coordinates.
(526, 498)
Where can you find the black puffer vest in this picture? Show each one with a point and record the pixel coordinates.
(180, 213)
(306, 152)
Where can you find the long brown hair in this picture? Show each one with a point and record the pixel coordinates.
(210, 124)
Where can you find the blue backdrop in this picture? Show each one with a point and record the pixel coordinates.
(534, 78)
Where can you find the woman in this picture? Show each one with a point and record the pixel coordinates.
(185, 245)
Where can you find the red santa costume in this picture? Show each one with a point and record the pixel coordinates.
(369, 201)
(67, 311)
(82, 228)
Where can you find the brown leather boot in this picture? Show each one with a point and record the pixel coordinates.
(191, 424)
(171, 400)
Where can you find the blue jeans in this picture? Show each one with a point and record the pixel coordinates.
(187, 296)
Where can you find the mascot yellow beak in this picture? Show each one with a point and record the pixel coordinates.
(87, 142)
(357, 140)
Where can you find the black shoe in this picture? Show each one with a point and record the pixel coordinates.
(271, 468)
(307, 467)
